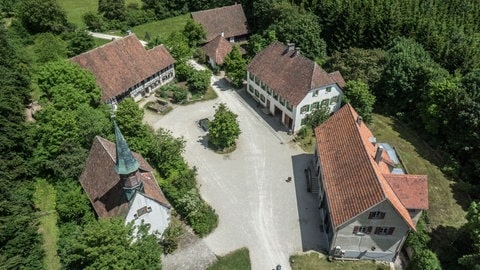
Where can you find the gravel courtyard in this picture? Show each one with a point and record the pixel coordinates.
(258, 209)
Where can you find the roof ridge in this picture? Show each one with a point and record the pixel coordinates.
(205, 10)
(102, 141)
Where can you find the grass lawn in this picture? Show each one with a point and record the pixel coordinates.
(319, 261)
(44, 199)
(419, 158)
(100, 41)
(236, 260)
(75, 9)
(161, 28)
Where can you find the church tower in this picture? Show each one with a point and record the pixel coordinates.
(126, 166)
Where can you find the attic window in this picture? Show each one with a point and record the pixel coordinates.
(329, 89)
(315, 93)
(376, 215)
(142, 211)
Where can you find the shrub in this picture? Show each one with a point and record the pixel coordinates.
(425, 259)
(171, 236)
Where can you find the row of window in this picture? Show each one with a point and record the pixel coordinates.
(269, 91)
(378, 230)
(319, 104)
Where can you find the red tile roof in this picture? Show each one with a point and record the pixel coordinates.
(412, 190)
(102, 184)
(354, 181)
(217, 49)
(292, 77)
(122, 63)
(230, 20)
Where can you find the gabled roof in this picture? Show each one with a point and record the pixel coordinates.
(217, 49)
(229, 20)
(291, 76)
(122, 63)
(102, 183)
(412, 190)
(354, 181)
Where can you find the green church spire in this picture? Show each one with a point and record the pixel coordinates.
(125, 162)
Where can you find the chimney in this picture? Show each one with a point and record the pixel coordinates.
(297, 51)
(359, 120)
(378, 154)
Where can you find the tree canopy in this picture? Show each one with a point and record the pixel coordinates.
(358, 94)
(42, 16)
(224, 129)
(235, 66)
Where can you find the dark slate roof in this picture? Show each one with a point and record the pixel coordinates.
(103, 186)
(291, 76)
(230, 20)
(122, 63)
(354, 181)
(217, 49)
(125, 162)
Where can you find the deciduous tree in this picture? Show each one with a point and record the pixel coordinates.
(358, 94)
(194, 32)
(224, 129)
(199, 81)
(42, 16)
(235, 66)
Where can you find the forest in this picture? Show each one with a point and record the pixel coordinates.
(420, 59)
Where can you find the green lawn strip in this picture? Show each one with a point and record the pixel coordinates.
(100, 41)
(44, 199)
(75, 9)
(419, 158)
(161, 28)
(319, 261)
(235, 260)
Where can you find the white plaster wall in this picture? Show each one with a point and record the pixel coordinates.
(158, 218)
(310, 99)
(360, 245)
(295, 112)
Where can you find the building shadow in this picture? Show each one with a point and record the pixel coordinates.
(307, 205)
(223, 84)
(275, 122)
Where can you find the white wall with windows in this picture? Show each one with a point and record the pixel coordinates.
(329, 96)
(144, 209)
(376, 234)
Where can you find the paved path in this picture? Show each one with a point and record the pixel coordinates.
(111, 37)
(258, 209)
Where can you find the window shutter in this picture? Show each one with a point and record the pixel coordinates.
(382, 215)
(377, 230)
(369, 229)
(355, 229)
(390, 230)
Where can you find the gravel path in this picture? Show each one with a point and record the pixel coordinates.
(258, 209)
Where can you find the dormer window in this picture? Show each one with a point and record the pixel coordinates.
(376, 215)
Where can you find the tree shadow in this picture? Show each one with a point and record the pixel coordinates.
(223, 84)
(307, 206)
(449, 243)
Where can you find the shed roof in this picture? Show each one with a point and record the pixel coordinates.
(291, 76)
(123, 63)
(229, 20)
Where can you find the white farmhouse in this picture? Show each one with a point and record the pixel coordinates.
(290, 85)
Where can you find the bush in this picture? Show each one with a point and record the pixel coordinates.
(183, 72)
(198, 81)
(171, 236)
(425, 260)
